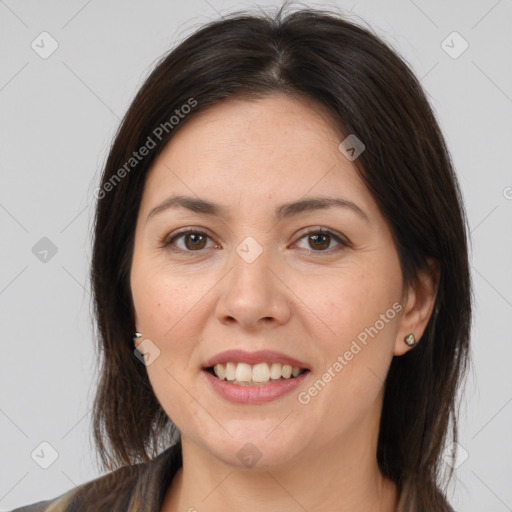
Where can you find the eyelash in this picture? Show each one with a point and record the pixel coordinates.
(317, 231)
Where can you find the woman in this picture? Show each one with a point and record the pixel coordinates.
(281, 283)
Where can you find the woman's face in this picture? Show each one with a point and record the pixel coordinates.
(249, 278)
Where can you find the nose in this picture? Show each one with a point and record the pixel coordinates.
(254, 295)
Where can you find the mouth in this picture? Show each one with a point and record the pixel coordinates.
(260, 374)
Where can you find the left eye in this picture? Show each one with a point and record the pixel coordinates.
(319, 240)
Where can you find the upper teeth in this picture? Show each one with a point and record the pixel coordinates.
(261, 372)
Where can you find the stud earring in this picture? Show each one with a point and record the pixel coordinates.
(136, 336)
(410, 339)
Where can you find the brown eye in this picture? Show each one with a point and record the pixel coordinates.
(319, 240)
(192, 241)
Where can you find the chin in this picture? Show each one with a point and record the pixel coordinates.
(255, 448)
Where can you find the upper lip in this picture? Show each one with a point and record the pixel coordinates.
(252, 358)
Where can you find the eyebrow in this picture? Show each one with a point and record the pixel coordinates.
(286, 210)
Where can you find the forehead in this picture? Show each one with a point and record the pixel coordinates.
(277, 147)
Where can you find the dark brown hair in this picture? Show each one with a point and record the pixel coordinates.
(369, 91)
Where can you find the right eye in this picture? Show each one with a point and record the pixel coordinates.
(193, 240)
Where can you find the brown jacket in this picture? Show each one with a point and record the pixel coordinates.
(137, 488)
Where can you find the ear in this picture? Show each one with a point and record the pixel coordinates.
(418, 300)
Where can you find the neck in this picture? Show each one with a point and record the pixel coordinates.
(341, 476)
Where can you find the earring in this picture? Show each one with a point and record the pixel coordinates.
(410, 339)
(136, 336)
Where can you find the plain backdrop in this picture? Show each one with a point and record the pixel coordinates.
(59, 113)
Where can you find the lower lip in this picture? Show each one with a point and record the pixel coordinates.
(259, 393)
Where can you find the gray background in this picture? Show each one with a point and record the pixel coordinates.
(58, 118)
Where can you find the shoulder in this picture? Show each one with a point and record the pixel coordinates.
(121, 489)
(118, 479)
(54, 504)
(40, 506)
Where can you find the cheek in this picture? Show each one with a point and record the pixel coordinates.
(349, 301)
(167, 314)
(168, 306)
(165, 301)
(361, 309)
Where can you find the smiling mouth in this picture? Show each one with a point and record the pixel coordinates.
(243, 374)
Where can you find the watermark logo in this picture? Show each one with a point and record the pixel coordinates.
(44, 250)
(249, 454)
(44, 455)
(351, 147)
(454, 45)
(175, 119)
(249, 250)
(455, 455)
(44, 45)
(147, 352)
(137, 156)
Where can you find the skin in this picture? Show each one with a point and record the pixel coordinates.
(251, 156)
